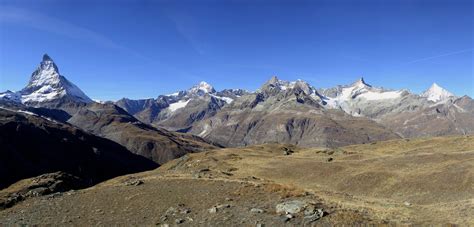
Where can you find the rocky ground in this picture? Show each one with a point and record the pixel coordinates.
(423, 181)
(168, 200)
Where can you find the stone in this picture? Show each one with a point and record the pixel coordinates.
(407, 204)
(284, 218)
(185, 211)
(133, 182)
(179, 221)
(256, 210)
(212, 210)
(290, 207)
(314, 215)
(223, 206)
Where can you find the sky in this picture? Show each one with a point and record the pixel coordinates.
(144, 48)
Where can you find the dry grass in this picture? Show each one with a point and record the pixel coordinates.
(434, 175)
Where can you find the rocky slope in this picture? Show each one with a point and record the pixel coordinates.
(31, 145)
(287, 112)
(178, 111)
(51, 95)
(112, 122)
(435, 112)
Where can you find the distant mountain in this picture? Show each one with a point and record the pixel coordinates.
(435, 112)
(280, 111)
(51, 95)
(287, 112)
(178, 111)
(436, 93)
(31, 145)
(112, 122)
(47, 87)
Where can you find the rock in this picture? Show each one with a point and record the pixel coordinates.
(185, 211)
(164, 218)
(179, 221)
(284, 218)
(204, 170)
(256, 210)
(260, 225)
(212, 210)
(228, 199)
(330, 159)
(407, 204)
(314, 215)
(289, 216)
(171, 210)
(133, 182)
(286, 153)
(290, 207)
(223, 206)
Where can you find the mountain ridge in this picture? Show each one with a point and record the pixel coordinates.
(201, 107)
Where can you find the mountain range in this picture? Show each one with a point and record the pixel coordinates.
(279, 111)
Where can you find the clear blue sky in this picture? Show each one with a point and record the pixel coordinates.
(140, 49)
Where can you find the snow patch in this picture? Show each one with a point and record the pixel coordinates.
(436, 93)
(178, 105)
(381, 95)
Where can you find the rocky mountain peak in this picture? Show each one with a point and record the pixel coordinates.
(436, 93)
(360, 83)
(46, 84)
(47, 64)
(275, 84)
(273, 80)
(202, 88)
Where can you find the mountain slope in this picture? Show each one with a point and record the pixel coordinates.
(52, 95)
(112, 122)
(47, 87)
(287, 112)
(31, 145)
(178, 111)
(436, 93)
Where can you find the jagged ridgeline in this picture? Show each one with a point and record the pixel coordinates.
(280, 111)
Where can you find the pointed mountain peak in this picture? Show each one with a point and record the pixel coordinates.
(435, 86)
(436, 93)
(202, 88)
(273, 83)
(46, 57)
(47, 64)
(273, 80)
(361, 83)
(47, 84)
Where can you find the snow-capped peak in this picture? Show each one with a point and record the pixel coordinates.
(202, 88)
(436, 93)
(46, 84)
(360, 83)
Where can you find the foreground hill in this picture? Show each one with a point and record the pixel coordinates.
(31, 145)
(420, 181)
